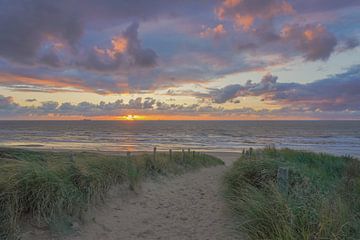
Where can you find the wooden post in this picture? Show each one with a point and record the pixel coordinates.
(72, 158)
(128, 154)
(282, 179)
(170, 154)
(193, 154)
(183, 155)
(154, 158)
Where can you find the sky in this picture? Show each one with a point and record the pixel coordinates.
(179, 59)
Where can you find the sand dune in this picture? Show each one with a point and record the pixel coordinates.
(188, 206)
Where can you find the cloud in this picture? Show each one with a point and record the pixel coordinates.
(140, 56)
(335, 93)
(311, 41)
(116, 46)
(9, 108)
(314, 41)
(216, 32)
(126, 52)
(322, 5)
(50, 58)
(349, 44)
(339, 92)
(6, 102)
(146, 106)
(264, 31)
(244, 13)
(25, 25)
(230, 92)
(226, 93)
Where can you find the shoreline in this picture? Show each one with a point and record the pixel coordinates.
(223, 153)
(227, 157)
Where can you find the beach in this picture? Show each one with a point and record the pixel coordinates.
(184, 195)
(189, 206)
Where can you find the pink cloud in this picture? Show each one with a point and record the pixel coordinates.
(244, 13)
(314, 41)
(217, 31)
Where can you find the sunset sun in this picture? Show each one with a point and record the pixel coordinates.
(131, 117)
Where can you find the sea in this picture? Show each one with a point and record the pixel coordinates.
(335, 137)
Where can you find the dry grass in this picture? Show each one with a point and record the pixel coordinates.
(54, 188)
(322, 201)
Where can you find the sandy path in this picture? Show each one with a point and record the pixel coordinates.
(184, 207)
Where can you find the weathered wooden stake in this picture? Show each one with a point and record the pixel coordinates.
(170, 154)
(128, 154)
(183, 155)
(72, 158)
(250, 151)
(193, 154)
(282, 179)
(154, 158)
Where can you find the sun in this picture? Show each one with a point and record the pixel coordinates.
(132, 117)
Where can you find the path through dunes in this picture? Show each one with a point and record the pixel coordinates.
(189, 206)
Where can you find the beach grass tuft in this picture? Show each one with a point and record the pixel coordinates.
(52, 189)
(322, 200)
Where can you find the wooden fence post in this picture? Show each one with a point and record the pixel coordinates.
(128, 154)
(170, 154)
(154, 158)
(72, 158)
(183, 155)
(283, 179)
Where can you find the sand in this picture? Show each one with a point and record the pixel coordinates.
(189, 206)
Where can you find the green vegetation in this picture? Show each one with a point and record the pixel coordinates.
(322, 200)
(55, 188)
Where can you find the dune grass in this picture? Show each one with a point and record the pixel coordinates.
(322, 200)
(52, 189)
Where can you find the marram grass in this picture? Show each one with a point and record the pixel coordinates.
(55, 188)
(322, 202)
